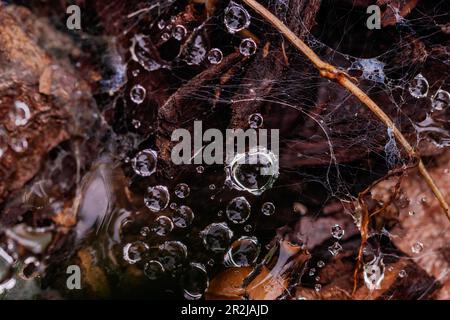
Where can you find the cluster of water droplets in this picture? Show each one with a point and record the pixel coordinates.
(337, 232)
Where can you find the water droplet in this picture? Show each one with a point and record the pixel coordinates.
(440, 100)
(255, 120)
(145, 231)
(153, 269)
(254, 171)
(172, 254)
(133, 252)
(163, 226)
(238, 210)
(173, 206)
(402, 273)
(179, 32)
(18, 145)
(212, 187)
(161, 24)
(183, 217)
(137, 94)
(135, 72)
(216, 236)
(374, 273)
(337, 232)
(30, 269)
(417, 247)
(136, 123)
(312, 272)
(418, 87)
(243, 252)
(144, 163)
(318, 287)
(335, 248)
(182, 190)
(165, 36)
(157, 198)
(194, 281)
(236, 17)
(200, 169)
(268, 208)
(248, 47)
(248, 228)
(215, 56)
(20, 114)
(411, 213)
(320, 264)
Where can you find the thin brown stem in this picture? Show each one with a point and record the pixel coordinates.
(331, 72)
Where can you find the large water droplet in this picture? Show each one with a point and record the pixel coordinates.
(194, 281)
(374, 273)
(172, 254)
(238, 210)
(137, 94)
(183, 217)
(248, 47)
(163, 226)
(153, 269)
(254, 171)
(418, 87)
(144, 163)
(216, 237)
(157, 198)
(440, 100)
(243, 252)
(133, 252)
(236, 17)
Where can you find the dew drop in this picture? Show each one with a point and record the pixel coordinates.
(248, 47)
(216, 236)
(255, 120)
(144, 163)
(215, 56)
(20, 114)
(172, 254)
(157, 198)
(153, 269)
(402, 273)
(243, 252)
(18, 145)
(318, 287)
(440, 100)
(137, 94)
(200, 169)
(161, 24)
(165, 36)
(238, 210)
(254, 171)
(133, 252)
(183, 217)
(136, 123)
(142, 52)
(196, 51)
(248, 228)
(163, 226)
(182, 190)
(145, 231)
(236, 17)
(312, 272)
(337, 232)
(417, 247)
(194, 281)
(179, 32)
(320, 264)
(418, 87)
(268, 208)
(335, 248)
